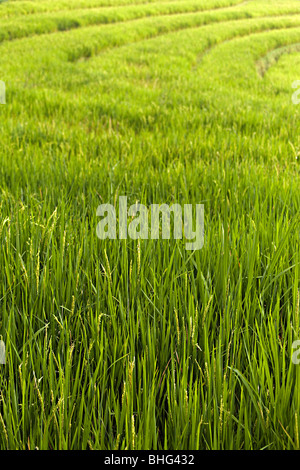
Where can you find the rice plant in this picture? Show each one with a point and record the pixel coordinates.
(141, 344)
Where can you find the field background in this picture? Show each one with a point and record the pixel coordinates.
(143, 344)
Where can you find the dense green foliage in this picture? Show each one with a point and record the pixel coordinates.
(142, 344)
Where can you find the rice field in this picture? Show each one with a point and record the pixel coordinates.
(142, 344)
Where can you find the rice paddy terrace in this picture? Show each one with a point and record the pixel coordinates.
(141, 344)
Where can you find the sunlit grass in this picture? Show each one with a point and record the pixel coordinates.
(143, 344)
